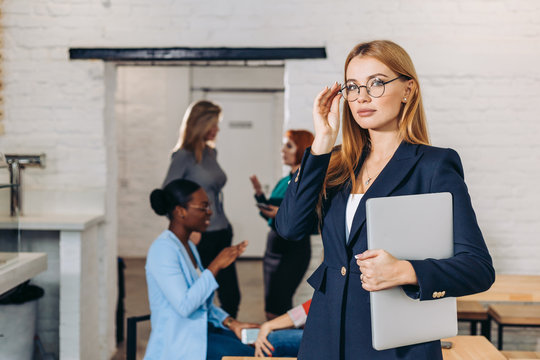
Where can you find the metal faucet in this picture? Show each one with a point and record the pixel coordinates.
(15, 164)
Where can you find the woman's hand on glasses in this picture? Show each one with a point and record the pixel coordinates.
(326, 119)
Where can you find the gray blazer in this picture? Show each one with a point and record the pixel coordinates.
(208, 174)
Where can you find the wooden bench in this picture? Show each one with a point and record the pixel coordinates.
(474, 313)
(513, 315)
(521, 355)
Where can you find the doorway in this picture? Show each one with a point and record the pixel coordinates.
(149, 104)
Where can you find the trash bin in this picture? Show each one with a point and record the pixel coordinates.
(18, 310)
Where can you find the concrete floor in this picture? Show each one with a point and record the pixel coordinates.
(136, 300)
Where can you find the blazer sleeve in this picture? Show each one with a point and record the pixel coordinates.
(296, 216)
(470, 270)
(165, 267)
(217, 315)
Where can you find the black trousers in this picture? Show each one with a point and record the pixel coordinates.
(284, 265)
(212, 242)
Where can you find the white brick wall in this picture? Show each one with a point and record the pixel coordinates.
(477, 62)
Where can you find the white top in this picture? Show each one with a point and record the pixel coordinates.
(352, 205)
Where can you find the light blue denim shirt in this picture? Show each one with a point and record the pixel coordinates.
(180, 301)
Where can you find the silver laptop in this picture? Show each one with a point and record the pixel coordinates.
(411, 227)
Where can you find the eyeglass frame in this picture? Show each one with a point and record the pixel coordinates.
(206, 208)
(367, 90)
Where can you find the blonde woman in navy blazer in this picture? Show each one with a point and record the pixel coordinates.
(385, 152)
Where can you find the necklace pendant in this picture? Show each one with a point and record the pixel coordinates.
(367, 181)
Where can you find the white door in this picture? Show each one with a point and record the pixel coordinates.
(248, 143)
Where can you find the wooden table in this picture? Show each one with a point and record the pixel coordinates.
(518, 288)
(471, 348)
(521, 355)
(463, 348)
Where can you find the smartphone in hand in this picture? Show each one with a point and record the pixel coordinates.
(249, 335)
(264, 206)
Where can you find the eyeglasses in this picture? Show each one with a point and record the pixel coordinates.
(205, 208)
(374, 87)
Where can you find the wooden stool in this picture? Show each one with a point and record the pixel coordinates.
(521, 355)
(474, 312)
(513, 315)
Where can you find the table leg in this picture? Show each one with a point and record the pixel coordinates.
(486, 328)
(500, 337)
(474, 325)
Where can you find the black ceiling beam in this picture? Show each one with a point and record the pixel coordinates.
(205, 54)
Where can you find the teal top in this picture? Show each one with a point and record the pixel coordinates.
(280, 188)
(277, 195)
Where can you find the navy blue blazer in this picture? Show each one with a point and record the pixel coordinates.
(339, 322)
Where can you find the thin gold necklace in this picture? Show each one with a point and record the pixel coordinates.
(369, 178)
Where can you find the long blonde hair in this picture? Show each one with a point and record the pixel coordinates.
(412, 121)
(199, 118)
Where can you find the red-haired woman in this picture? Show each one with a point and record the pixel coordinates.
(285, 262)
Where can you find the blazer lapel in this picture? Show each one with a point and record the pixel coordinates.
(390, 177)
(185, 264)
(195, 253)
(343, 197)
